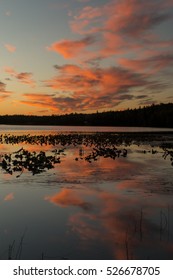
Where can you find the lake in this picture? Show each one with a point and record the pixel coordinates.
(86, 193)
(81, 128)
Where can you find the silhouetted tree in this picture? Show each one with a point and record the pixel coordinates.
(154, 116)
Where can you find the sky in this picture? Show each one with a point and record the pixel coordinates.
(83, 56)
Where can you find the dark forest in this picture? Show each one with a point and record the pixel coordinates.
(150, 116)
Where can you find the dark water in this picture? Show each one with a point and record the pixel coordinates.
(108, 208)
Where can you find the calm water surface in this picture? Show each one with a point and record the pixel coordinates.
(23, 128)
(118, 208)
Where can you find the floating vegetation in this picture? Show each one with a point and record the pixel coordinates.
(105, 152)
(168, 153)
(38, 162)
(31, 161)
(88, 139)
(99, 145)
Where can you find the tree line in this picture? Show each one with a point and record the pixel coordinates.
(160, 115)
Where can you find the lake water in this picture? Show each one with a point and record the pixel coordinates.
(12, 128)
(92, 201)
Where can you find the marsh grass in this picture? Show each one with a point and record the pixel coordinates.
(16, 254)
(165, 224)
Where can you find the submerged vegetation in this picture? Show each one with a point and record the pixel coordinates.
(154, 116)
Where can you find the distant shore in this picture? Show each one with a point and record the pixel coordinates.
(151, 116)
(46, 129)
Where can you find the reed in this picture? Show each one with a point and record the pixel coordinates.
(141, 224)
(11, 248)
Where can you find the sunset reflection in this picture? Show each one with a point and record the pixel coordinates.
(67, 198)
(104, 208)
(9, 197)
(126, 221)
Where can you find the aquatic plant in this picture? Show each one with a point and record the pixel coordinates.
(104, 139)
(31, 161)
(168, 153)
(100, 145)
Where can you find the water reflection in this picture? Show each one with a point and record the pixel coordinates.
(68, 197)
(118, 206)
(9, 197)
(60, 128)
(122, 224)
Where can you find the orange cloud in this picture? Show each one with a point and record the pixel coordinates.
(115, 28)
(10, 48)
(89, 12)
(102, 80)
(82, 22)
(124, 16)
(40, 100)
(122, 26)
(87, 88)
(71, 48)
(115, 44)
(2, 87)
(3, 97)
(23, 77)
(152, 64)
(90, 88)
(3, 92)
(134, 18)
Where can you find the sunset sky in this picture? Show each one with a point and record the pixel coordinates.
(63, 56)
